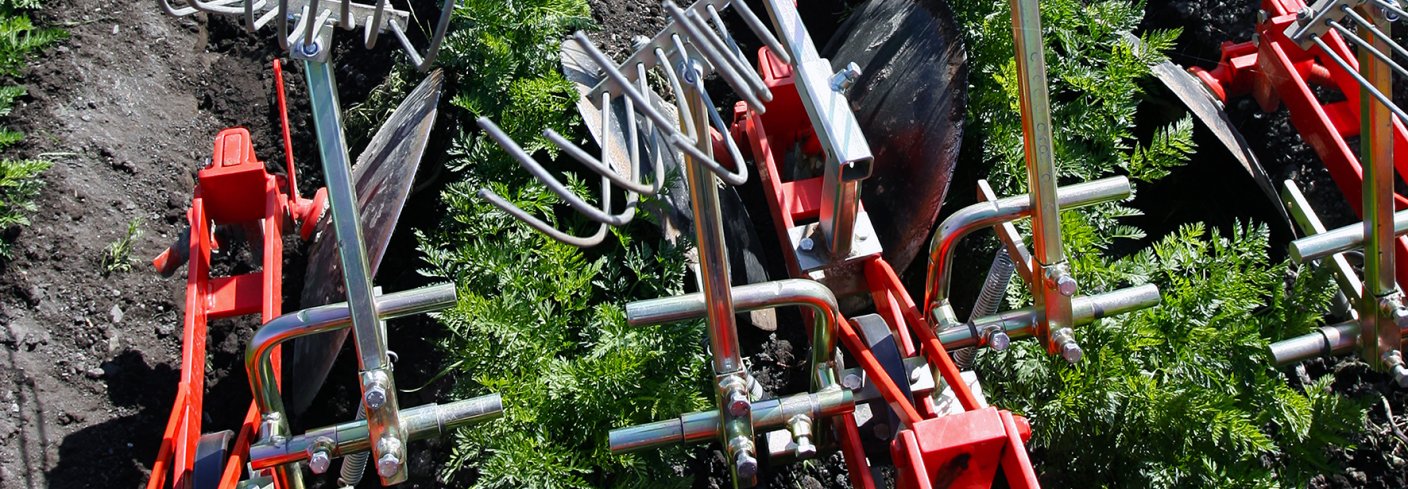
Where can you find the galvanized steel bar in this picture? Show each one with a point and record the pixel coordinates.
(1379, 335)
(700, 426)
(1336, 339)
(1020, 323)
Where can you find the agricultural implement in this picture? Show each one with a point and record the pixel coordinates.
(1331, 63)
(237, 200)
(905, 400)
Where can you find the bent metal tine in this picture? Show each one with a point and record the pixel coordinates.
(1387, 60)
(1383, 99)
(620, 80)
(723, 65)
(1378, 34)
(756, 25)
(729, 49)
(601, 215)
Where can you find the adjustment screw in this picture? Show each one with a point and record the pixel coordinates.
(738, 404)
(805, 448)
(1071, 352)
(851, 381)
(319, 461)
(746, 465)
(1305, 14)
(843, 80)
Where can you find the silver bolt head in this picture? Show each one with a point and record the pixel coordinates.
(746, 465)
(738, 404)
(375, 397)
(1071, 352)
(1067, 285)
(851, 381)
(1400, 375)
(999, 340)
(319, 461)
(309, 49)
(1305, 14)
(807, 244)
(805, 448)
(388, 465)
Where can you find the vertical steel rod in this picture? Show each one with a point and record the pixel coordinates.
(378, 386)
(1379, 335)
(730, 383)
(1054, 278)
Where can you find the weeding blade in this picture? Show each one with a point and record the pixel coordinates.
(1189, 90)
(384, 174)
(910, 101)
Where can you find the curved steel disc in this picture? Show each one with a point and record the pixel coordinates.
(909, 101)
(383, 174)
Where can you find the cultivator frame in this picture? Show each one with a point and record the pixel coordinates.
(266, 454)
(905, 369)
(1298, 47)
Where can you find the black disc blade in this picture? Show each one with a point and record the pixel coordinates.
(910, 102)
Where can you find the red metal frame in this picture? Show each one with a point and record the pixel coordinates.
(233, 190)
(1275, 70)
(929, 444)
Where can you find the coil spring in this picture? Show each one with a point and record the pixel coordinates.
(994, 289)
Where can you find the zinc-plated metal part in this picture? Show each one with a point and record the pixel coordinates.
(988, 214)
(1339, 240)
(1020, 323)
(315, 320)
(383, 177)
(347, 439)
(781, 293)
(1310, 225)
(1336, 339)
(1380, 335)
(368, 337)
(315, 21)
(848, 156)
(1041, 172)
(705, 425)
(695, 43)
(320, 455)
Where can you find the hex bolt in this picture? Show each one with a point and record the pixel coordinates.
(1305, 14)
(318, 460)
(1394, 360)
(998, 339)
(1400, 317)
(309, 49)
(882, 431)
(1071, 351)
(746, 464)
(390, 462)
(738, 404)
(843, 80)
(915, 375)
(375, 397)
(806, 244)
(1066, 285)
(639, 42)
(851, 381)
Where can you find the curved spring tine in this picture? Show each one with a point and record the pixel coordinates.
(641, 101)
(310, 29)
(1392, 7)
(659, 161)
(1385, 58)
(1365, 24)
(542, 227)
(735, 55)
(684, 113)
(283, 24)
(345, 20)
(701, 37)
(423, 63)
(303, 21)
(1363, 83)
(761, 30)
(374, 27)
(174, 11)
(736, 177)
(593, 163)
(222, 7)
(264, 20)
(601, 215)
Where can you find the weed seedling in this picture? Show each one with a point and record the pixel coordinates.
(118, 255)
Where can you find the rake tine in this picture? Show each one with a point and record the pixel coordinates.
(373, 29)
(542, 227)
(1365, 24)
(659, 163)
(1392, 7)
(736, 56)
(620, 80)
(310, 29)
(525, 160)
(592, 162)
(172, 10)
(264, 20)
(431, 52)
(1387, 60)
(756, 25)
(249, 14)
(300, 26)
(737, 177)
(346, 18)
(722, 64)
(1363, 83)
(685, 114)
(283, 25)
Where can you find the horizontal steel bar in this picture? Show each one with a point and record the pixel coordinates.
(1085, 309)
(420, 422)
(1339, 240)
(704, 425)
(1335, 339)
